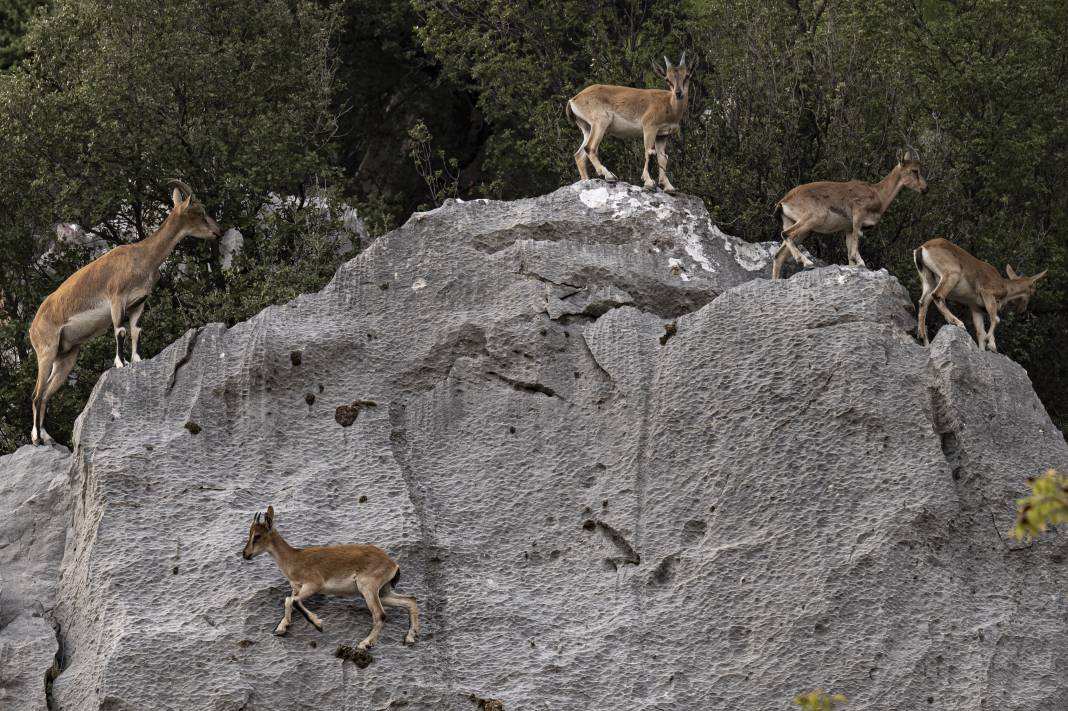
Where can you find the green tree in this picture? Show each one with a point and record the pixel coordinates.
(13, 17)
(115, 98)
(524, 60)
(792, 91)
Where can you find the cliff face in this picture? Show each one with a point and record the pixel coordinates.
(618, 472)
(33, 523)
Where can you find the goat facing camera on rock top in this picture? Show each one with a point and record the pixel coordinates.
(347, 569)
(650, 114)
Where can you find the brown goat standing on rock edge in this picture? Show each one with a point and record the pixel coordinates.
(332, 570)
(828, 208)
(650, 114)
(105, 292)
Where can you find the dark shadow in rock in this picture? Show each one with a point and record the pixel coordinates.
(359, 657)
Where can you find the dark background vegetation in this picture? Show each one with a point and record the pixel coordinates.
(396, 105)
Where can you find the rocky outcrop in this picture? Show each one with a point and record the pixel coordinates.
(33, 523)
(618, 472)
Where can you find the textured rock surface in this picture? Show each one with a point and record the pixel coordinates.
(617, 471)
(32, 527)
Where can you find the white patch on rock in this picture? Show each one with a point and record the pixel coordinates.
(596, 198)
(750, 256)
(230, 246)
(623, 201)
(112, 401)
(691, 242)
(418, 284)
(678, 269)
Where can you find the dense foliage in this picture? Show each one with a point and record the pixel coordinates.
(396, 104)
(1045, 507)
(116, 97)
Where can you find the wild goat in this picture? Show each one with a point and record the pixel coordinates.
(105, 292)
(332, 570)
(828, 208)
(949, 272)
(624, 112)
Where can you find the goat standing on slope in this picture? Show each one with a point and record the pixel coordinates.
(105, 292)
(949, 272)
(828, 208)
(332, 570)
(651, 114)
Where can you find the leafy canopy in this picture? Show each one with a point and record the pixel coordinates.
(115, 97)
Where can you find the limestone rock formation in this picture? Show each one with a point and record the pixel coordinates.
(33, 522)
(619, 470)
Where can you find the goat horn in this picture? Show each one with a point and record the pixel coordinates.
(667, 63)
(182, 187)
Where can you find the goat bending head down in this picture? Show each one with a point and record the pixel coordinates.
(948, 272)
(105, 292)
(650, 114)
(332, 570)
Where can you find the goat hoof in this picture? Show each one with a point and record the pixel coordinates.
(280, 633)
(409, 641)
(318, 627)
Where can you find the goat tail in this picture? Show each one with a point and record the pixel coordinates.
(569, 113)
(395, 578)
(917, 257)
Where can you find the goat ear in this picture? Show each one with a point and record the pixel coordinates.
(270, 517)
(1011, 272)
(176, 197)
(1038, 276)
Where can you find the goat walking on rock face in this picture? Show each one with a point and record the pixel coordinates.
(828, 208)
(650, 114)
(332, 570)
(103, 293)
(949, 272)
